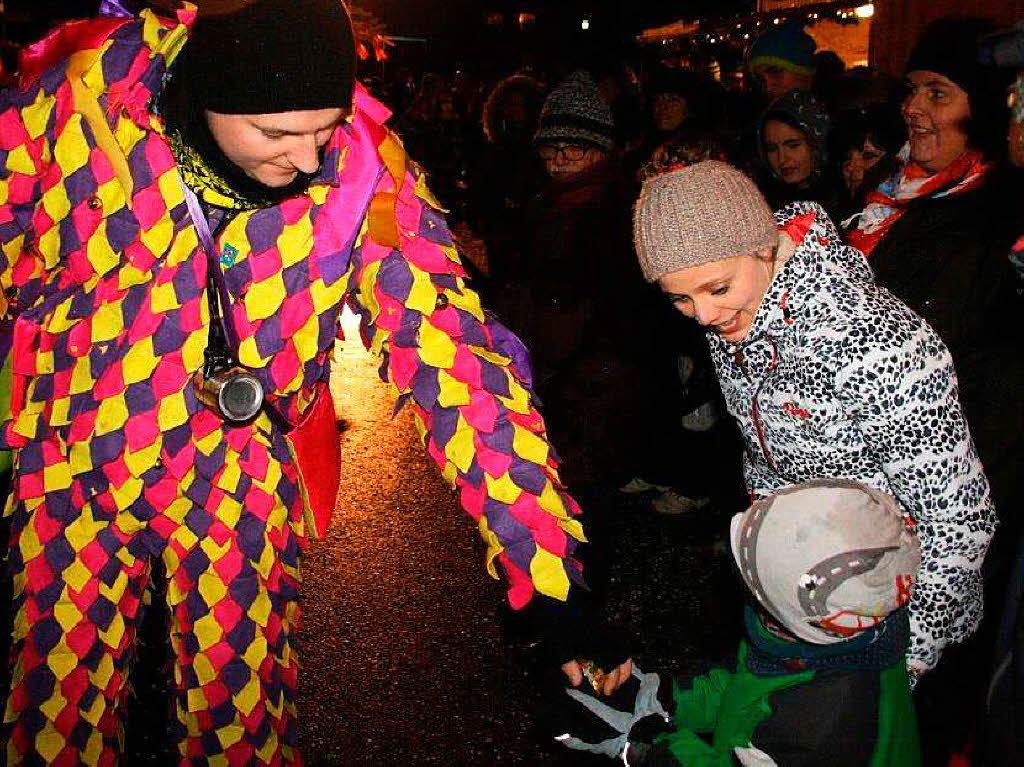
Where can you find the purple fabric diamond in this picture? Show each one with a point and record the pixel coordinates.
(263, 228)
(494, 379)
(425, 387)
(169, 337)
(444, 425)
(528, 475)
(395, 277)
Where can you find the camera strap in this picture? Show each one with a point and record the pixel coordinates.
(222, 331)
(222, 340)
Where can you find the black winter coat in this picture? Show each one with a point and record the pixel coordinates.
(947, 259)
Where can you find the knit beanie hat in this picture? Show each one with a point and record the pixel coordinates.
(706, 212)
(827, 559)
(786, 46)
(270, 56)
(951, 48)
(576, 112)
(800, 110)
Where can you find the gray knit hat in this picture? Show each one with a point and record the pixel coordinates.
(702, 213)
(827, 558)
(575, 111)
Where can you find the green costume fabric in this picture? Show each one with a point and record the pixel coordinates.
(730, 706)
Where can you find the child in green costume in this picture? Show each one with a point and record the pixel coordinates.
(821, 678)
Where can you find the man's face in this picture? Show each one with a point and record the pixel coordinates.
(563, 160)
(274, 148)
(777, 81)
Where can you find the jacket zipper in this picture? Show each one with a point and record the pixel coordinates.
(755, 409)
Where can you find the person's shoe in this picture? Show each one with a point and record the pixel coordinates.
(701, 418)
(636, 486)
(673, 503)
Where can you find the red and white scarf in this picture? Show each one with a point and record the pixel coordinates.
(911, 182)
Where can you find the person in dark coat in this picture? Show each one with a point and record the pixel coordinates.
(936, 234)
(573, 287)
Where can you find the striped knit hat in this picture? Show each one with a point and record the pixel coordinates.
(787, 47)
(577, 113)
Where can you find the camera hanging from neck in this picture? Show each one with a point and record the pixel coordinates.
(222, 384)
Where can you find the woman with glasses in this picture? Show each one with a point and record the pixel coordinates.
(577, 296)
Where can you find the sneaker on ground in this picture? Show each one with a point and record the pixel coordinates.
(701, 418)
(638, 485)
(673, 503)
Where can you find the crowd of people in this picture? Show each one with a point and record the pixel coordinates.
(905, 188)
(186, 203)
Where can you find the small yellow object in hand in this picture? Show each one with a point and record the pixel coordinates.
(593, 674)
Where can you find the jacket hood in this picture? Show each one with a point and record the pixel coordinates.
(820, 257)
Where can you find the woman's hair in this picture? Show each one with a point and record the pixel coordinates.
(528, 88)
(881, 123)
(687, 147)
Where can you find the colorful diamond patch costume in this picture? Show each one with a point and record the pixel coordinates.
(117, 462)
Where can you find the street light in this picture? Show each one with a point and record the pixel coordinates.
(585, 24)
(865, 11)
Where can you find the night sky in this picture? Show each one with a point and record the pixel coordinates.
(444, 17)
(456, 28)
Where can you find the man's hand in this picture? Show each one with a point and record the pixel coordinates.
(574, 671)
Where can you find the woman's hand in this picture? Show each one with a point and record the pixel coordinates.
(574, 671)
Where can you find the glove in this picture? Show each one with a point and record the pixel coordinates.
(622, 727)
(574, 630)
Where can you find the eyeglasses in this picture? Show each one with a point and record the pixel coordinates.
(570, 152)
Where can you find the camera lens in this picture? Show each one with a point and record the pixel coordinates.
(241, 397)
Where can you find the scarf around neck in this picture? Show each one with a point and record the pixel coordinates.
(887, 204)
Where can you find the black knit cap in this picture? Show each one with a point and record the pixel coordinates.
(950, 48)
(273, 56)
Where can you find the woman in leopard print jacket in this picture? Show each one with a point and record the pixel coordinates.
(827, 374)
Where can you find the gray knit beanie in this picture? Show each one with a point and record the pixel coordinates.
(702, 213)
(575, 111)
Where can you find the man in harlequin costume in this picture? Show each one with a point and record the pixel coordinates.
(172, 183)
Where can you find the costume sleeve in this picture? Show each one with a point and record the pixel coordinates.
(20, 181)
(467, 380)
(22, 267)
(697, 706)
(902, 391)
(760, 479)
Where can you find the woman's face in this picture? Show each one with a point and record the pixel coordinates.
(936, 111)
(564, 160)
(723, 296)
(858, 161)
(788, 152)
(670, 109)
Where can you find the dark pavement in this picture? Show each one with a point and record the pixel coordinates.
(403, 658)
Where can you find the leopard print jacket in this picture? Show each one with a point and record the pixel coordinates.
(839, 379)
